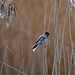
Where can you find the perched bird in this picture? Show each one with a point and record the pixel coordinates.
(40, 40)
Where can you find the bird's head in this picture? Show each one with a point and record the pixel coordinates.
(46, 33)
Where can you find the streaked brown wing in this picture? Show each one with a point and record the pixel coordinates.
(39, 38)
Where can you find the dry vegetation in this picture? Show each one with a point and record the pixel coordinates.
(32, 19)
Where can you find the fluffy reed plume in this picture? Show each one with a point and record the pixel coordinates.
(11, 11)
(2, 9)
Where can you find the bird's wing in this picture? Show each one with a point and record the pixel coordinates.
(40, 39)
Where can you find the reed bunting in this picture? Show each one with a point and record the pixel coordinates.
(40, 40)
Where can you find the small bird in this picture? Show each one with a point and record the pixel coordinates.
(40, 40)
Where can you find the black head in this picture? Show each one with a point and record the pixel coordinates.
(9, 4)
(46, 33)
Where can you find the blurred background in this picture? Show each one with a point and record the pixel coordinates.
(33, 17)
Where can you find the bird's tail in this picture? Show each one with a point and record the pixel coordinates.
(34, 47)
